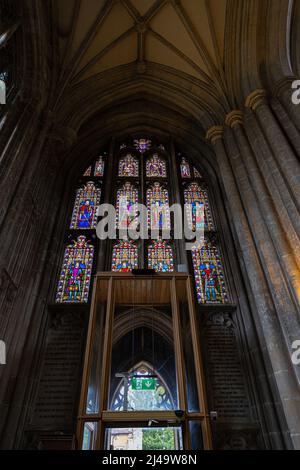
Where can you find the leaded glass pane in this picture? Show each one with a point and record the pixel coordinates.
(75, 276)
(209, 275)
(86, 207)
(185, 168)
(156, 167)
(160, 256)
(99, 167)
(142, 144)
(158, 207)
(196, 173)
(124, 256)
(195, 194)
(126, 210)
(137, 400)
(88, 171)
(128, 166)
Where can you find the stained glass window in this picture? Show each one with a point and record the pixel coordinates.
(127, 198)
(156, 167)
(196, 173)
(160, 256)
(124, 257)
(137, 400)
(185, 168)
(142, 144)
(195, 194)
(209, 275)
(158, 207)
(88, 171)
(99, 167)
(128, 166)
(86, 206)
(75, 276)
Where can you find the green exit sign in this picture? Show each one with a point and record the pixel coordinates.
(143, 383)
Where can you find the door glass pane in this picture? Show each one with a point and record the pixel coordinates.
(196, 435)
(143, 372)
(191, 384)
(94, 379)
(160, 438)
(89, 436)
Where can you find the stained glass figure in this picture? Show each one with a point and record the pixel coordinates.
(124, 256)
(160, 256)
(142, 144)
(128, 166)
(185, 168)
(158, 207)
(196, 173)
(88, 171)
(140, 400)
(195, 194)
(86, 206)
(127, 198)
(156, 167)
(209, 275)
(75, 276)
(99, 167)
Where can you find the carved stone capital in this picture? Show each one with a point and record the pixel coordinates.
(214, 133)
(234, 117)
(255, 98)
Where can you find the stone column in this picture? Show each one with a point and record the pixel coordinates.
(265, 216)
(268, 235)
(287, 124)
(283, 91)
(275, 182)
(28, 264)
(282, 151)
(246, 218)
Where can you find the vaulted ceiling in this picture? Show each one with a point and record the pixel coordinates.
(98, 35)
(202, 56)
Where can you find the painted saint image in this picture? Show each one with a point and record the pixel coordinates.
(128, 166)
(210, 287)
(74, 282)
(185, 168)
(86, 214)
(156, 167)
(85, 208)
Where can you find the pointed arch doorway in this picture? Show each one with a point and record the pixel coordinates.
(143, 383)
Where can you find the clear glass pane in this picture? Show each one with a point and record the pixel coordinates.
(94, 380)
(191, 383)
(143, 371)
(195, 428)
(143, 438)
(89, 436)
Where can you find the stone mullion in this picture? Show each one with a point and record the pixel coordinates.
(176, 190)
(281, 149)
(266, 321)
(287, 313)
(105, 245)
(284, 205)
